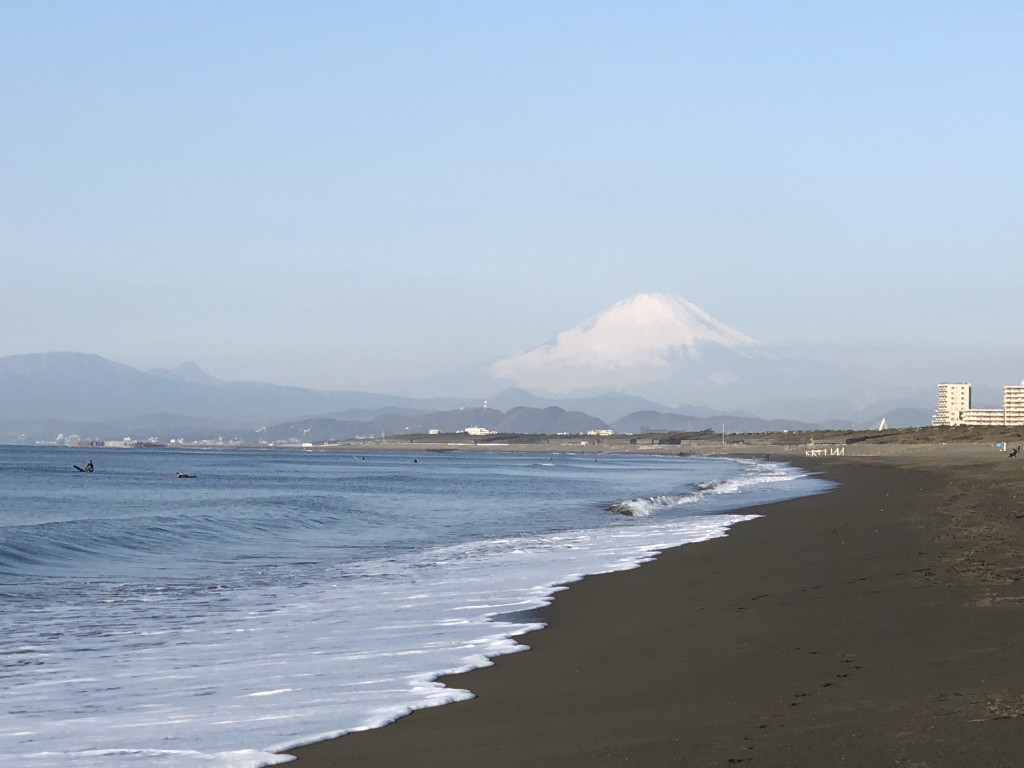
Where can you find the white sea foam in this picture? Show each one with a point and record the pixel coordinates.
(305, 639)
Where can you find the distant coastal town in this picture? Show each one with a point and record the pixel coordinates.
(954, 407)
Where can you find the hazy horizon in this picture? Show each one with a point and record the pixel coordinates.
(337, 197)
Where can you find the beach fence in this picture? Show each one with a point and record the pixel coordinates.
(822, 451)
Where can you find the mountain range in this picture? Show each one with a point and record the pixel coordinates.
(652, 361)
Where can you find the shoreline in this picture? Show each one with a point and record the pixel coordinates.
(877, 623)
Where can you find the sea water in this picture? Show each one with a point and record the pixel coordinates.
(280, 597)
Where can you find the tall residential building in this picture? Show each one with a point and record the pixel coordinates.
(1013, 404)
(954, 399)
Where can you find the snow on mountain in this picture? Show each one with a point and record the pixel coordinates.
(641, 339)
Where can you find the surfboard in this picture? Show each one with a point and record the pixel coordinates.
(78, 468)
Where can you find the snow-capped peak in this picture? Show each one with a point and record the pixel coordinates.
(641, 335)
(656, 321)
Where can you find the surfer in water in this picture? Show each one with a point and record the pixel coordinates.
(88, 467)
(182, 475)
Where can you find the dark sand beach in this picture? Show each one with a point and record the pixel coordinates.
(880, 624)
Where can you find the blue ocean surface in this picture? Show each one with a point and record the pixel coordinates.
(280, 597)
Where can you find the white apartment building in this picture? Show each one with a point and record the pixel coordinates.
(954, 400)
(983, 417)
(954, 408)
(1013, 404)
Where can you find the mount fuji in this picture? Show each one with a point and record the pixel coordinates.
(670, 351)
(646, 342)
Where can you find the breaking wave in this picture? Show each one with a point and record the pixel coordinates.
(701, 497)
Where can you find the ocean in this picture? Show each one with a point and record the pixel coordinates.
(280, 597)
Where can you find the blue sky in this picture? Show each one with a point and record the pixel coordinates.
(340, 195)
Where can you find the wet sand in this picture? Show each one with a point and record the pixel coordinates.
(879, 624)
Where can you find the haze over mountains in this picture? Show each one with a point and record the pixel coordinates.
(652, 361)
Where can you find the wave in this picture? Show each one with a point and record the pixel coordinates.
(645, 507)
(69, 545)
(755, 474)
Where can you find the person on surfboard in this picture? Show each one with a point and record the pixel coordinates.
(88, 467)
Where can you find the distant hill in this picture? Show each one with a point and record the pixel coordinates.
(73, 386)
(521, 420)
(655, 421)
(607, 407)
(44, 395)
(901, 418)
